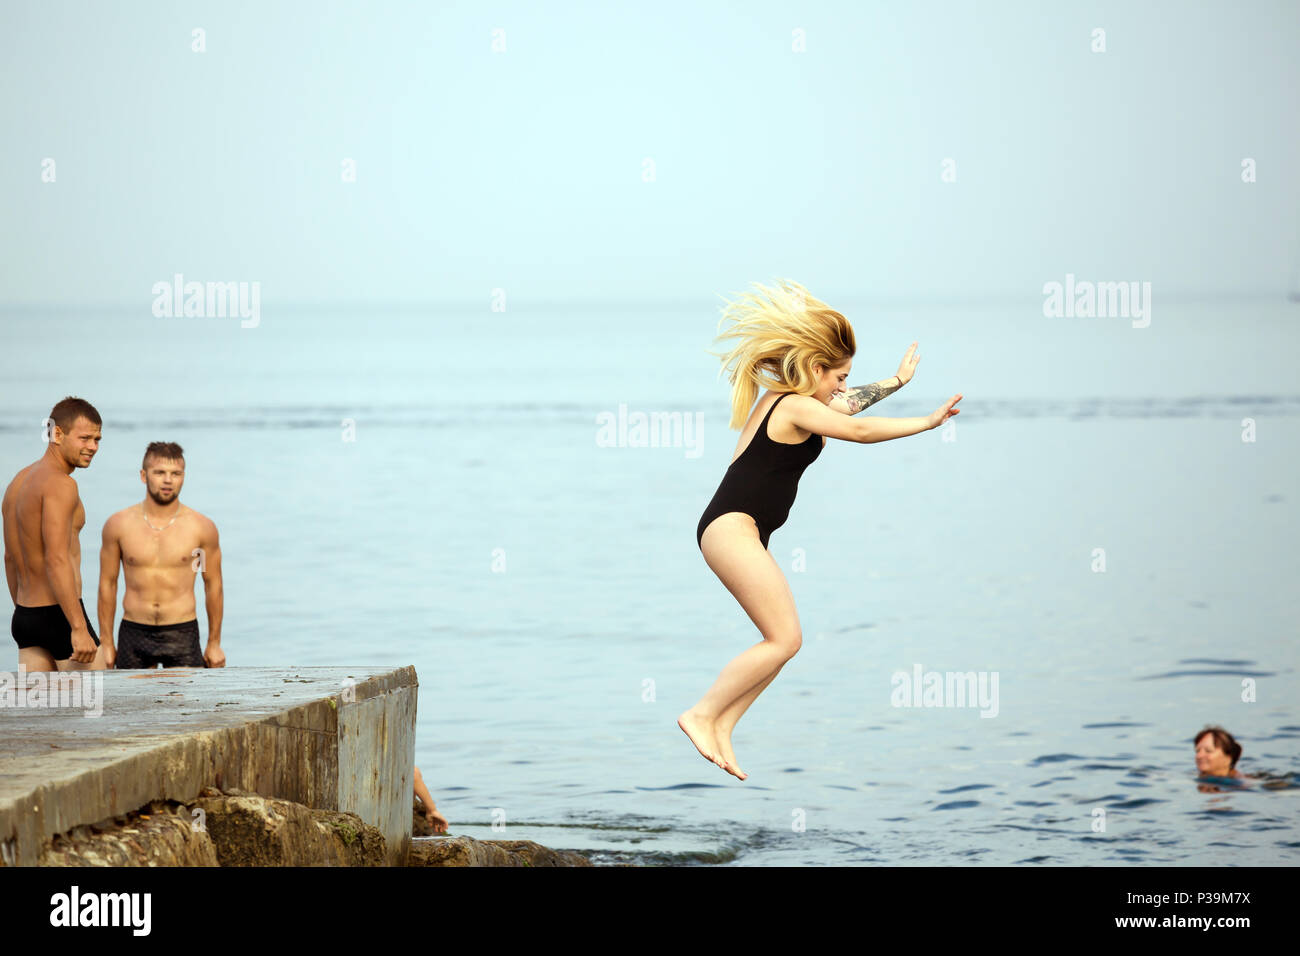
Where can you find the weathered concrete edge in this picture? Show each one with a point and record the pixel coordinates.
(293, 755)
(376, 757)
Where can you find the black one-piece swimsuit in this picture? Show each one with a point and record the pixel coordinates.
(762, 482)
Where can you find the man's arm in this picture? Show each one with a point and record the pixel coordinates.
(59, 502)
(11, 560)
(862, 396)
(431, 813)
(421, 791)
(11, 576)
(110, 559)
(210, 562)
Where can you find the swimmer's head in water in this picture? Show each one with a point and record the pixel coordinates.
(1216, 752)
(163, 471)
(75, 431)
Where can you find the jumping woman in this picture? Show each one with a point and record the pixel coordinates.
(800, 350)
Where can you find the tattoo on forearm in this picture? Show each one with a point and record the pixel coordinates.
(863, 396)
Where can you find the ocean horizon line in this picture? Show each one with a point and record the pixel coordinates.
(318, 416)
(143, 305)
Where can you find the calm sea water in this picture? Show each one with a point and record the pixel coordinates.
(549, 590)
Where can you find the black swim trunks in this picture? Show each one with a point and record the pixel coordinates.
(148, 645)
(46, 626)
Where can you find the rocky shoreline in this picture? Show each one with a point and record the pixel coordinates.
(234, 828)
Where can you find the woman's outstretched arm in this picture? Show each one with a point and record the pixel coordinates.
(863, 396)
(811, 415)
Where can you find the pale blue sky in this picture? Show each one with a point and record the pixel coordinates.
(523, 170)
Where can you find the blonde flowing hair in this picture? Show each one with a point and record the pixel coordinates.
(783, 333)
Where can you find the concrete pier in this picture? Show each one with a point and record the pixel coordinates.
(331, 738)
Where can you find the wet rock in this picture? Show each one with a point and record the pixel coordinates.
(241, 829)
(466, 851)
(161, 835)
(222, 830)
(537, 855)
(257, 831)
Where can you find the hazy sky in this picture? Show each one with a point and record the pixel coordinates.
(525, 169)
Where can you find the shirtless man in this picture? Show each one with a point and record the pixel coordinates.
(161, 544)
(43, 518)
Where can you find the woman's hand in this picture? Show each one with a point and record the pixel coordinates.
(907, 367)
(945, 412)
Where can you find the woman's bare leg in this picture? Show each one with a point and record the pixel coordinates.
(727, 722)
(733, 551)
(712, 735)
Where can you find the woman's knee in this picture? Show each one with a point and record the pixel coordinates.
(788, 642)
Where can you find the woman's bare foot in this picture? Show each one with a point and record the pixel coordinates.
(701, 734)
(723, 736)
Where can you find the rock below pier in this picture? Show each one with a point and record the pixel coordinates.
(466, 851)
(234, 828)
(222, 829)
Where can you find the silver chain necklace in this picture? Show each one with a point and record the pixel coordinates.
(148, 522)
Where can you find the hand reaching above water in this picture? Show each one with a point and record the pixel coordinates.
(945, 412)
(907, 367)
